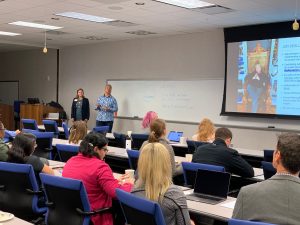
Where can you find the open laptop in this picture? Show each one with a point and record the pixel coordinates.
(210, 187)
(174, 136)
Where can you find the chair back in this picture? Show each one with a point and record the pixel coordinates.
(139, 210)
(120, 140)
(44, 143)
(268, 169)
(133, 156)
(19, 190)
(190, 171)
(66, 198)
(65, 152)
(29, 124)
(268, 155)
(193, 145)
(246, 222)
(101, 129)
(51, 126)
(66, 130)
(138, 140)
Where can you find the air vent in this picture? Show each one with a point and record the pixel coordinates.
(55, 32)
(93, 38)
(110, 1)
(120, 23)
(214, 9)
(140, 32)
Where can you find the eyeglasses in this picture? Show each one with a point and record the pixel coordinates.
(105, 149)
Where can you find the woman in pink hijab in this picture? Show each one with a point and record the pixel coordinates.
(148, 118)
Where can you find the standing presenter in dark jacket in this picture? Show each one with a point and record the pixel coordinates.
(80, 107)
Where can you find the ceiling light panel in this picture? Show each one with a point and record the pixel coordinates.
(8, 33)
(35, 25)
(86, 17)
(188, 4)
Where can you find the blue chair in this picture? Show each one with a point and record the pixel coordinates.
(139, 210)
(29, 124)
(190, 170)
(268, 155)
(120, 140)
(19, 191)
(44, 143)
(268, 169)
(193, 145)
(133, 156)
(51, 126)
(245, 222)
(66, 130)
(67, 201)
(9, 136)
(138, 140)
(101, 129)
(65, 152)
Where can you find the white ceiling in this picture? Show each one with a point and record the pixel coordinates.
(153, 16)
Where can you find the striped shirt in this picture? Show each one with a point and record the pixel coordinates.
(106, 114)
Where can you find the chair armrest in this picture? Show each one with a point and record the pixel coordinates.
(34, 192)
(97, 211)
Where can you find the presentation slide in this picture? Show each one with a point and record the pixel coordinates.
(263, 76)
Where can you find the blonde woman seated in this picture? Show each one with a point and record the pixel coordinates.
(78, 132)
(206, 131)
(158, 134)
(155, 183)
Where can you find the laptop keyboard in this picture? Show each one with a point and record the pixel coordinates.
(204, 198)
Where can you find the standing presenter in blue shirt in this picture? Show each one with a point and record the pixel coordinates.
(106, 105)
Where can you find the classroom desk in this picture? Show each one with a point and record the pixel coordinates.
(16, 221)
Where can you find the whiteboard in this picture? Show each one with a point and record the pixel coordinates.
(9, 92)
(186, 101)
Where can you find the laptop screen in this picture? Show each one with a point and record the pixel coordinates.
(213, 183)
(175, 136)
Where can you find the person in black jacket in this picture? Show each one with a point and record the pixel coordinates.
(218, 153)
(80, 107)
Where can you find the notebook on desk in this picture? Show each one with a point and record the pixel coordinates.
(175, 136)
(210, 187)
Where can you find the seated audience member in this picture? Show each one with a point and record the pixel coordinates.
(218, 153)
(158, 133)
(97, 177)
(275, 200)
(155, 183)
(148, 118)
(206, 131)
(3, 147)
(78, 132)
(21, 152)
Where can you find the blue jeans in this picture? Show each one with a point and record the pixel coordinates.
(105, 123)
(254, 93)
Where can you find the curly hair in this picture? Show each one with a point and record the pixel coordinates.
(206, 130)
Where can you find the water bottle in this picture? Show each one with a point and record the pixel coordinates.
(128, 141)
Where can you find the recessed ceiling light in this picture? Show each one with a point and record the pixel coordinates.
(35, 25)
(188, 4)
(8, 33)
(81, 16)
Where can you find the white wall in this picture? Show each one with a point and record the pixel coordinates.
(190, 56)
(32, 68)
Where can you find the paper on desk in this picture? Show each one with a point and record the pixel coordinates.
(229, 205)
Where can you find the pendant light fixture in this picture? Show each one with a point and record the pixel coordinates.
(295, 25)
(45, 50)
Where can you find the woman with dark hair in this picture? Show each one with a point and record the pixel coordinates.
(97, 177)
(21, 152)
(3, 146)
(158, 134)
(80, 107)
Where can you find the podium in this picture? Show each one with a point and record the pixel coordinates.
(37, 112)
(7, 116)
